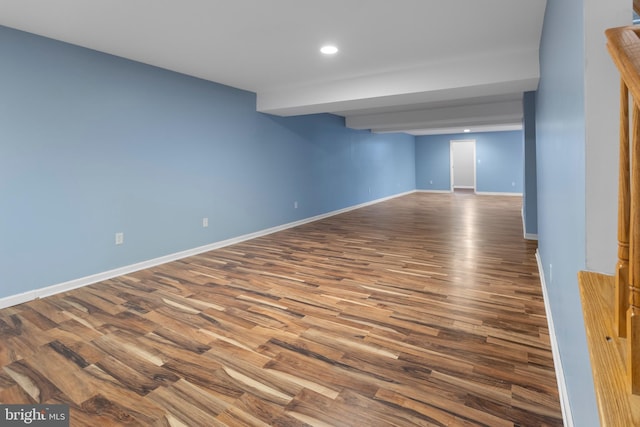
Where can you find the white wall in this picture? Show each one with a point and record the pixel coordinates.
(602, 98)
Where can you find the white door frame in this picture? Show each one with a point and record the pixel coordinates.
(453, 141)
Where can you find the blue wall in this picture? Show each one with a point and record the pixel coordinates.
(499, 161)
(560, 133)
(530, 193)
(91, 145)
(432, 163)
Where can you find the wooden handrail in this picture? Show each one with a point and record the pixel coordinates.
(624, 46)
(636, 6)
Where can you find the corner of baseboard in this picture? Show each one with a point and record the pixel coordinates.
(527, 236)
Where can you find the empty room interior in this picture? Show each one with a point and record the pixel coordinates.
(337, 213)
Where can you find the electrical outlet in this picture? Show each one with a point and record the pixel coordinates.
(513, 183)
(119, 238)
(295, 205)
(430, 181)
(550, 273)
(205, 222)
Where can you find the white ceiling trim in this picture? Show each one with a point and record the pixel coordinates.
(468, 77)
(461, 130)
(464, 116)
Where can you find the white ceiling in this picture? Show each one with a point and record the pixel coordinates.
(403, 65)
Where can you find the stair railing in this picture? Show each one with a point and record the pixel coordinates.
(624, 46)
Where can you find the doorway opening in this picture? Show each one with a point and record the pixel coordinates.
(463, 165)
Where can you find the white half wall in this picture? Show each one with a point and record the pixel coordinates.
(602, 107)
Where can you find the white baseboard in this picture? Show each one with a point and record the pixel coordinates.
(19, 298)
(491, 193)
(433, 191)
(557, 361)
(530, 236)
(94, 278)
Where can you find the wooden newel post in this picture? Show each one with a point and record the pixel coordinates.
(622, 268)
(633, 313)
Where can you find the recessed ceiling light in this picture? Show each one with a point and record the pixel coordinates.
(329, 50)
(467, 130)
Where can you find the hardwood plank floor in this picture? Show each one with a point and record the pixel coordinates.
(425, 310)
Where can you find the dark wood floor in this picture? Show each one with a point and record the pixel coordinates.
(423, 310)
